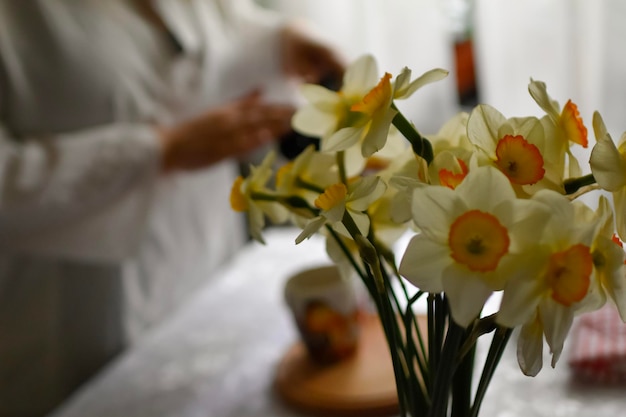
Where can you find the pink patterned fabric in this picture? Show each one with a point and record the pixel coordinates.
(598, 352)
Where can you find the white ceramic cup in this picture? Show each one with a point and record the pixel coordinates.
(325, 309)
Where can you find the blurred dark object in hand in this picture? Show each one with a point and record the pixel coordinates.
(293, 143)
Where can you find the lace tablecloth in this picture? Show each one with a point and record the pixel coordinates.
(217, 356)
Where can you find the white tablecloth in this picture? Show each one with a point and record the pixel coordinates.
(217, 356)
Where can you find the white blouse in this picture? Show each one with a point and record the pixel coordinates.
(95, 244)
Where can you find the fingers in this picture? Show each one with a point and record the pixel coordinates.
(309, 58)
(261, 124)
(226, 132)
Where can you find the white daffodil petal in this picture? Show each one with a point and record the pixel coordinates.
(485, 188)
(434, 208)
(341, 229)
(539, 93)
(560, 206)
(256, 223)
(428, 77)
(310, 121)
(362, 221)
(615, 276)
(595, 298)
(376, 136)
(310, 228)
(530, 348)
(619, 201)
(400, 211)
(335, 214)
(369, 190)
(573, 168)
(360, 76)
(277, 214)
(467, 293)
(482, 127)
(342, 139)
(519, 301)
(423, 262)
(354, 161)
(599, 128)
(402, 81)
(557, 321)
(528, 217)
(320, 96)
(607, 165)
(453, 134)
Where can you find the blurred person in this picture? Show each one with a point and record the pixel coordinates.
(121, 123)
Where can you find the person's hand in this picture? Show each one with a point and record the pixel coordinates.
(228, 131)
(308, 58)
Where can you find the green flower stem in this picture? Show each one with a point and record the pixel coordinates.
(341, 165)
(462, 382)
(409, 350)
(436, 315)
(389, 256)
(308, 186)
(351, 259)
(263, 196)
(387, 314)
(481, 327)
(498, 344)
(433, 349)
(419, 357)
(574, 184)
(383, 308)
(411, 322)
(445, 370)
(389, 324)
(421, 146)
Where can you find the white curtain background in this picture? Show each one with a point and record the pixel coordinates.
(576, 46)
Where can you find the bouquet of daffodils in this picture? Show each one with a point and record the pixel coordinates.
(493, 204)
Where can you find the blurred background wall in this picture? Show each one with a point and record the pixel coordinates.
(575, 46)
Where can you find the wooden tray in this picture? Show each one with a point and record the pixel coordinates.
(362, 385)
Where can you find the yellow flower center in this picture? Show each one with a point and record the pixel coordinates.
(282, 173)
(331, 197)
(374, 163)
(237, 199)
(377, 98)
(573, 125)
(449, 179)
(519, 160)
(478, 241)
(569, 274)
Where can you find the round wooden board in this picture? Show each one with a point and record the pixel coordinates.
(362, 385)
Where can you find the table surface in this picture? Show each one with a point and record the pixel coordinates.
(217, 356)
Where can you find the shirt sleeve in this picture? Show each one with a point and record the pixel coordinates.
(82, 194)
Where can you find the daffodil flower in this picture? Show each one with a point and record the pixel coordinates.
(468, 238)
(608, 261)
(516, 147)
(307, 174)
(361, 112)
(339, 198)
(452, 150)
(377, 106)
(556, 279)
(608, 165)
(562, 128)
(328, 114)
(252, 196)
